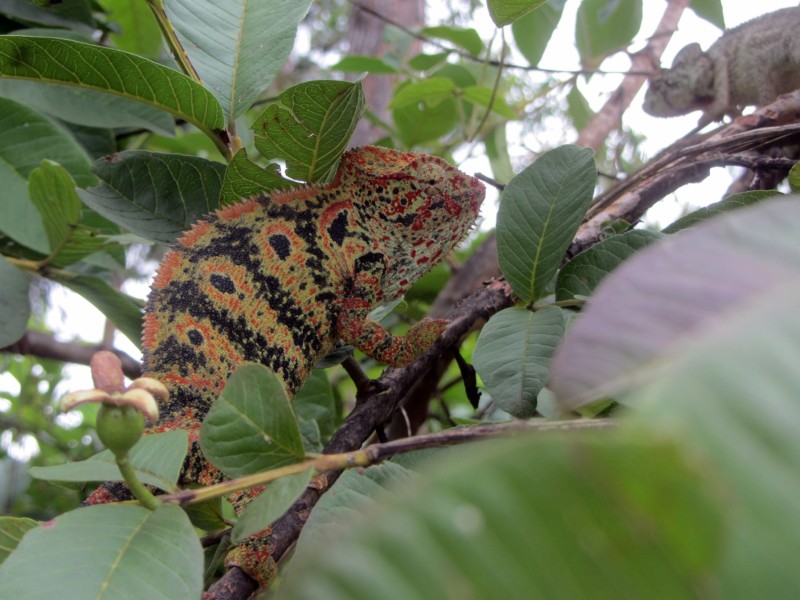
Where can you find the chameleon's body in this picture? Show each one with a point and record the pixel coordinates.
(278, 279)
(751, 64)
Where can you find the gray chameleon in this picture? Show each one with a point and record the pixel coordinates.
(751, 64)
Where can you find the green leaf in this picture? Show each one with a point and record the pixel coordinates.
(729, 397)
(157, 196)
(794, 178)
(481, 514)
(270, 504)
(156, 458)
(19, 219)
(683, 291)
(111, 71)
(237, 47)
(86, 107)
(314, 402)
(430, 91)
(14, 304)
(74, 14)
(251, 426)
(11, 531)
(483, 95)
(52, 191)
(732, 202)
(109, 551)
(418, 124)
(356, 63)
(125, 312)
(603, 27)
(578, 109)
(513, 355)
(309, 127)
(139, 30)
(504, 12)
(468, 39)
(533, 31)
(540, 211)
(425, 62)
(580, 276)
(710, 10)
(245, 179)
(29, 137)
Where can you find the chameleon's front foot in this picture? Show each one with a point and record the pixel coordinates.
(356, 329)
(254, 558)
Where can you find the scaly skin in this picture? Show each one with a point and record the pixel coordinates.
(278, 279)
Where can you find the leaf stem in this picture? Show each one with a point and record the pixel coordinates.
(175, 46)
(136, 487)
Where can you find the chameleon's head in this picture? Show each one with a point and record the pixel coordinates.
(417, 207)
(686, 87)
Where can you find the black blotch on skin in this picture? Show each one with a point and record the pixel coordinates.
(338, 228)
(223, 283)
(280, 243)
(195, 337)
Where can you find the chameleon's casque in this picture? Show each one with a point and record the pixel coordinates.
(278, 279)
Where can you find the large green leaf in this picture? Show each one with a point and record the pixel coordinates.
(50, 60)
(431, 91)
(237, 46)
(581, 275)
(309, 127)
(533, 31)
(108, 551)
(599, 516)
(157, 460)
(251, 426)
(540, 211)
(87, 107)
(14, 304)
(138, 30)
(710, 10)
(504, 12)
(125, 312)
(513, 355)
(468, 39)
(74, 14)
(732, 202)
(314, 402)
(683, 291)
(603, 27)
(157, 196)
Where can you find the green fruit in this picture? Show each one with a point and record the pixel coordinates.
(119, 427)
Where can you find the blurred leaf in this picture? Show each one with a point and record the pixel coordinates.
(497, 150)
(87, 107)
(112, 71)
(578, 109)
(251, 426)
(14, 304)
(513, 355)
(237, 46)
(532, 32)
(207, 515)
(683, 291)
(75, 14)
(416, 124)
(425, 62)
(603, 27)
(468, 39)
(125, 312)
(112, 551)
(139, 30)
(710, 10)
(353, 63)
(245, 179)
(505, 12)
(483, 95)
(309, 126)
(732, 202)
(270, 504)
(11, 531)
(540, 211)
(430, 91)
(157, 459)
(635, 506)
(794, 178)
(157, 196)
(580, 276)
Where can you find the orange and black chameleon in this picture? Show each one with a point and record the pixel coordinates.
(279, 278)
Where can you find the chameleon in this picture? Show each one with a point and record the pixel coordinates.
(279, 278)
(751, 64)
